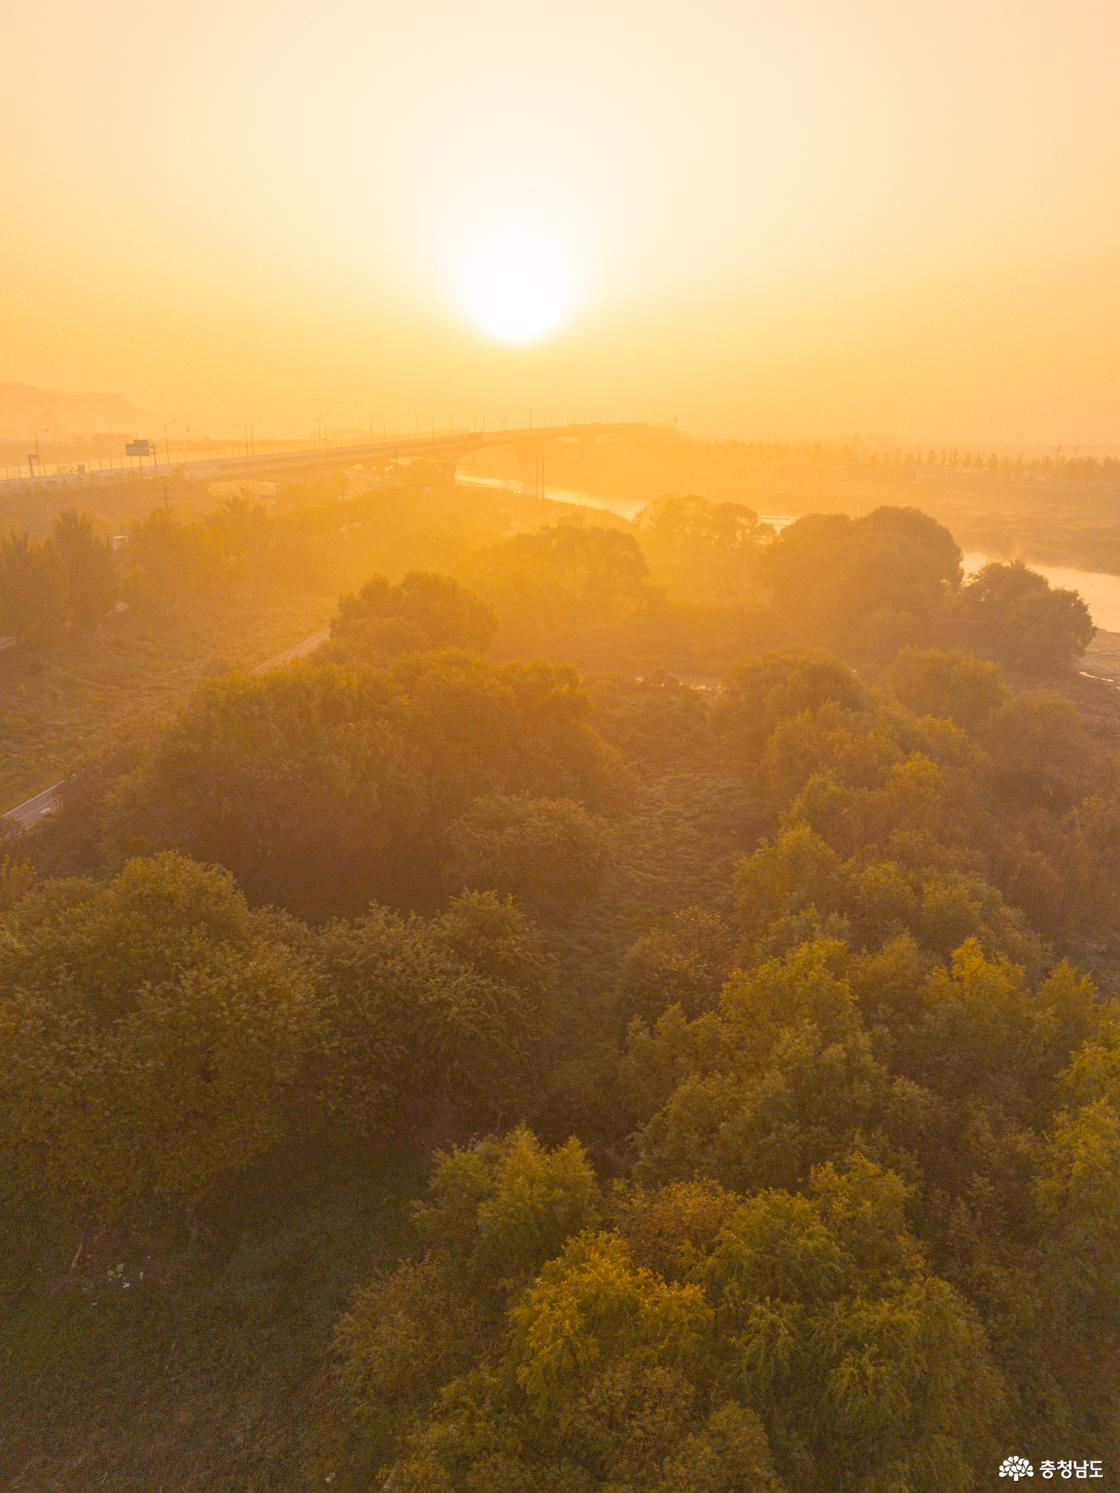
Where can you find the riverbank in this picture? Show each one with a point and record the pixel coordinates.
(1101, 660)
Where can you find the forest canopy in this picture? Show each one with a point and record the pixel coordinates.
(747, 1044)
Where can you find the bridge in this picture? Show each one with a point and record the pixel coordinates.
(447, 447)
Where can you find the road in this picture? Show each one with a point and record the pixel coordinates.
(24, 815)
(447, 445)
(28, 813)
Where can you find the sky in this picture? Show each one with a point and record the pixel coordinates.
(769, 221)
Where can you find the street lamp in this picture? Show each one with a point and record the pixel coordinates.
(247, 427)
(38, 457)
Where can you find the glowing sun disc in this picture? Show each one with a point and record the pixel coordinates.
(516, 283)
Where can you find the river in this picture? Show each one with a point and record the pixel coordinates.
(1100, 590)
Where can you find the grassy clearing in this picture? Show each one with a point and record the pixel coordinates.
(135, 668)
(204, 1373)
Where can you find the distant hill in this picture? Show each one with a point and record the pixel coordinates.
(25, 408)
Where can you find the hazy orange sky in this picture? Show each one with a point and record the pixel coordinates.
(774, 220)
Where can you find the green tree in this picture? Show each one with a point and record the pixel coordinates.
(423, 611)
(152, 1032)
(548, 851)
(700, 547)
(872, 583)
(1040, 750)
(950, 684)
(497, 1211)
(323, 787)
(34, 590)
(777, 686)
(89, 566)
(428, 1027)
(1018, 615)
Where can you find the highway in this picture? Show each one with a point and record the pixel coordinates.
(447, 445)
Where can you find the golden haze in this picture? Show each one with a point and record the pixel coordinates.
(779, 221)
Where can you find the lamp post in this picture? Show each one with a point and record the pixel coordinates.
(247, 427)
(38, 454)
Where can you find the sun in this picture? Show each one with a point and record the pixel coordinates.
(516, 281)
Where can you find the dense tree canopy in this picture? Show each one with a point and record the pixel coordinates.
(424, 611)
(759, 1039)
(322, 787)
(546, 850)
(698, 547)
(871, 583)
(1020, 617)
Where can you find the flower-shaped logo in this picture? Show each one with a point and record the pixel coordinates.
(1015, 1468)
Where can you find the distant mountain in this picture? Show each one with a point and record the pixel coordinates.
(24, 408)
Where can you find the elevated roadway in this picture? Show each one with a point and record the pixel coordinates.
(448, 446)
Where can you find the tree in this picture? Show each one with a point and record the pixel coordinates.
(839, 1332)
(322, 787)
(777, 686)
(683, 963)
(1018, 615)
(89, 567)
(34, 590)
(592, 1306)
(702, 547)
(950, 684)
(561, 582)
(423, 611)
(1040, 750)
(547, 851)
(498, 1211)
(428, 1027)
(656, 720)
(784, 1077)
(152, 1032)
(168, 560)
(871, 583)
(299, 781)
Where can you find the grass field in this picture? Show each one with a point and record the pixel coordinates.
(136, 667)
(202, 1371)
